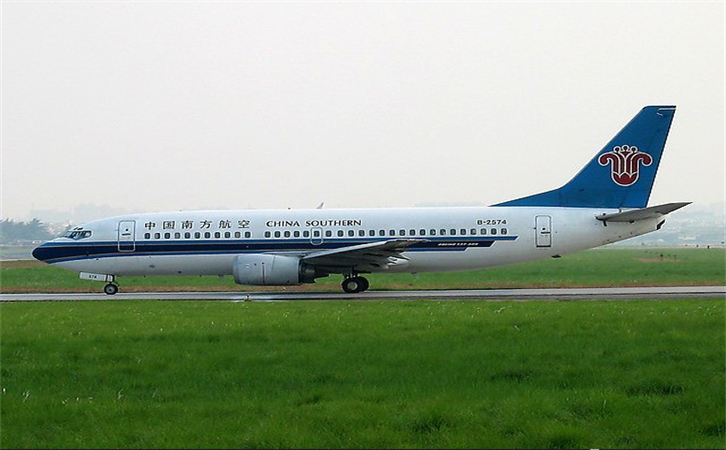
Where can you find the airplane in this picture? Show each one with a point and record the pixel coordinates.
(605, 202)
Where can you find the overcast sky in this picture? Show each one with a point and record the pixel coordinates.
(182, 105)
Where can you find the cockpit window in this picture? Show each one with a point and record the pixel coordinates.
(77, 234)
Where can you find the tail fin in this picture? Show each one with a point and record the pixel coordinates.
(621, 175)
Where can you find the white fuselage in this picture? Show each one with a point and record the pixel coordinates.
(461, 238)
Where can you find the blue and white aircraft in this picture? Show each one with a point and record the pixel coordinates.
(605, 202)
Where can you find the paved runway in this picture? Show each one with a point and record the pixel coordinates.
(626, 293)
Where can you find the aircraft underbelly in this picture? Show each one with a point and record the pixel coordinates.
(144, 265)
(469, 259)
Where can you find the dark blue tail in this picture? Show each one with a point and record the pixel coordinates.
(621, 175)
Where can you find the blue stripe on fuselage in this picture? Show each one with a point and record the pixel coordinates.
(53, 252)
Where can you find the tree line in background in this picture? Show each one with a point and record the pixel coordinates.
(12, 232)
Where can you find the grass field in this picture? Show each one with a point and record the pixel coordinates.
(407, 374)
(601, 267)
(374, 374)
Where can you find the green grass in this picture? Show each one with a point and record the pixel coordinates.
(405, 374)
(601, 267)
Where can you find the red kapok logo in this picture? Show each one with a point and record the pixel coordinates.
(625, 163)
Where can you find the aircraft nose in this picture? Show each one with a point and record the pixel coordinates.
(41, 252)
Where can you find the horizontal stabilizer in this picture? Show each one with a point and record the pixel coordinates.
(642, 214)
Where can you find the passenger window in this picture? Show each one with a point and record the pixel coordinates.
(494, 231)
(197, 235)
(237, 234)
(207, 235)
(483, 231)
(422, 232)
(277, 234)
(227, 234)
(442, 232)
(287, 234)
(351, 233)
(433, 232)
(391, 232)
(296, 233)
(177, 235)
(316, 233)
(328, 233)
(371, 233)
(248, 234)
(157, 235)
(340, 233)
(463, 231)
(473, 231)
(217, 234)
(147, 235)
(306, 233)
(167, 235)
(268, 234)
(453, 232)
(381, 232)
(504, 231)
(361, 233)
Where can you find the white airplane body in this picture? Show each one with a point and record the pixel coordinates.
(604, 203)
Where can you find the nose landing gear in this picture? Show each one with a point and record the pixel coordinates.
(110, 289)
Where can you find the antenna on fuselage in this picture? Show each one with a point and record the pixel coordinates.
(320, 206)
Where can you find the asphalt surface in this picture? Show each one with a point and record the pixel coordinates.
(563, 294)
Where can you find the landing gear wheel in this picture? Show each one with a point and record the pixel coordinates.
(363, 284)
(110, 289)
(353, 285)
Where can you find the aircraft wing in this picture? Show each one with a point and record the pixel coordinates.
(634, 215)
(363, 257)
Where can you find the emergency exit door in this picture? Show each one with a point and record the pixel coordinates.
(543, 231)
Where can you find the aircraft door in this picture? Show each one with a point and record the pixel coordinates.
(127, 236)
(543, 231)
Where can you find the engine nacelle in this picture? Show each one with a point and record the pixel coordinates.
(272, 270)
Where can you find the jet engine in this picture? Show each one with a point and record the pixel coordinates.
(272, 270)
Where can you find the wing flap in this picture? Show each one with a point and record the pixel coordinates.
(363, 257)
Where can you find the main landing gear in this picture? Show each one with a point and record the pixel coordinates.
(352, 284)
